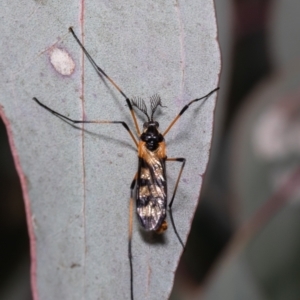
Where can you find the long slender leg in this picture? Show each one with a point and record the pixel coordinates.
(102, 73)
(186, 107)
(182, 160)
(89, 122)
(131, 207)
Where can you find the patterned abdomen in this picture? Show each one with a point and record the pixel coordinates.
(151, 193)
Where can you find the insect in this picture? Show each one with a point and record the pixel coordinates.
(150, 181)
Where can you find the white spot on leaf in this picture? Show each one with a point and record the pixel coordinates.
(62, 61)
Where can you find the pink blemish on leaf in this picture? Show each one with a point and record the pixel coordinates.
(62, 61)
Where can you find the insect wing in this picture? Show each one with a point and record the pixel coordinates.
(151, 193)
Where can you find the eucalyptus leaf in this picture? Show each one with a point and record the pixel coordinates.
(76, 180)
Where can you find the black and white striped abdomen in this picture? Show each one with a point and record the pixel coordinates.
(151, 193)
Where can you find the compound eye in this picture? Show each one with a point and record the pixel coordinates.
(146, 125)
(156, 124)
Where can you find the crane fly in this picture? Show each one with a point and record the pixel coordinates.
(150, 181)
